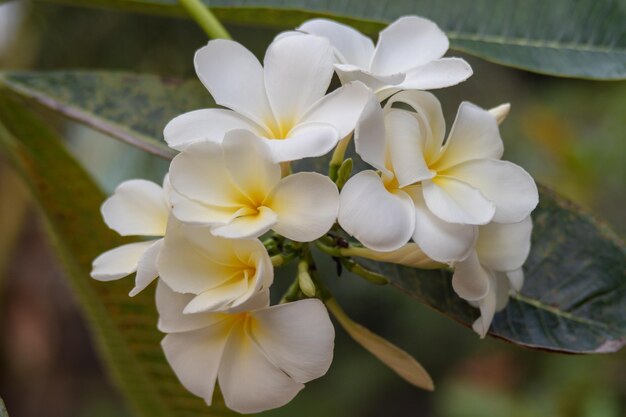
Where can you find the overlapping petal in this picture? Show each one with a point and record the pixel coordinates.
(406, 142)
(505, 246)
(351, 46)
(379, 219)
(304, 141)
(119, 262)
(302, 64)
(137, 207)
(206, 125)
(341, 109)
(508, 186)
(430, 116)
(408, 42)
(457, 202)
(194, 261)
(306, 205)
(147, 267)
(303, 355)
(471, 281)
(200, 173)
(439, 73)
(440, 240)
(474, 135)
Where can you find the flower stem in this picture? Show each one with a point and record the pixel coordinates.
(338, 156)
(205, 18)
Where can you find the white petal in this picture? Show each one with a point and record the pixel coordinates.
(297, 337)
(249, 382)
(379, 219)
(234, 77)
(307, 140)
(369, 136)
(298, 70)
(440, 240)
(504, 246)
(430, 115)
(456, 202)
(138, 207)
(249, 162)
(516, 279)
(251, 225)
(195, 357)
(342, 108)
(306, 204)
(170, 306)
(351, 46)
(406, 140)
(474, 135)
(375, 82)
(508, 186)
(217, 299)
(439, 73)
(192, 212)
(503, 288)
(199, 173)
(407, 43)
(147, 268)
(205, 125)
(193, 261)
(260, 299)
(470, 280)
(487, 307)
(119, 262)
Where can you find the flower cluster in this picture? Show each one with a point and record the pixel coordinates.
(230, 208)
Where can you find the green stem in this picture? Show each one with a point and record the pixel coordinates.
(338, 156)
(304, 278)
(366, 274)
(205, 18)
(292, 293)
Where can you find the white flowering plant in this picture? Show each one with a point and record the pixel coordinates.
(400, 199)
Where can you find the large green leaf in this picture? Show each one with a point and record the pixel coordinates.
(123, 327)
(574, 294)
(586, 38)
(133, 108)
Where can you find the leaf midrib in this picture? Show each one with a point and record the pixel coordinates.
(557, 312)
(534, 43)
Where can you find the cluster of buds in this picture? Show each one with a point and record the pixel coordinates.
(230, 208)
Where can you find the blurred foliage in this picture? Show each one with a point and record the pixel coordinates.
(569, 134)
(583, 40)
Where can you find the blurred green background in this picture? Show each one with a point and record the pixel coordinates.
(569, 134)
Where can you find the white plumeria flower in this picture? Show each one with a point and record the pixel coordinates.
(282, 102)
(237, 190)
(261, 356)
(493, 269)
(408, 55)
(435, 192)
(136, 208)
(218, 273)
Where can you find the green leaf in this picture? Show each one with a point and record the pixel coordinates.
(123, 327)
(574, 291)
(584, 39)
(133, 108)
